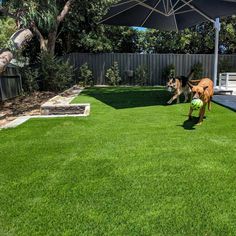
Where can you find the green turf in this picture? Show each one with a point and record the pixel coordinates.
(133, 167)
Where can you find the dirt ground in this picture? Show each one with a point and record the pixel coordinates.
(23, 105)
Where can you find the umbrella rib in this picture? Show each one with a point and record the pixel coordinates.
(145, 20)
(163, 1)
(118, 13)
(182, 12)
(173, 10)
(173, 6)
(151, 8)
(122, 3)
(177, 29)
(198, 11)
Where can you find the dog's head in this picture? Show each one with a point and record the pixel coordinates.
(171, 85)
(198, 91)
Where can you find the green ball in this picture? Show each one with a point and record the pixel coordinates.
(196, 104)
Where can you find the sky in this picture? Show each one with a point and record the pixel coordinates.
(140, 28)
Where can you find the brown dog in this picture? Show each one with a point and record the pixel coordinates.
(204, 91)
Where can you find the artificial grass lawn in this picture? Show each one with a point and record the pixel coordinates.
(133, 167)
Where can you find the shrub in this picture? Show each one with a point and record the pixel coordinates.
(113, 75)
(169, 72)
(86, 75)
(141, 75)
(29, 79)
(198, 71)
(56, 74)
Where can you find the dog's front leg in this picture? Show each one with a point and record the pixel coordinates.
(173, 98)
(190, 113)
(201, 114)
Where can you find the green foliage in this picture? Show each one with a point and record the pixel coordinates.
(86, 75)
(141, 75)
(113, 75)
(81, 32)
(198, 70)
(29, 79)
(7, 28)
(225, 65)
(56, 74)
(168, 72)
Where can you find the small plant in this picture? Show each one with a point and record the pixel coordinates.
(141, 75)
(198, 71)
(169, 72)
(56, 74)
(113, 75)
(226, 65)
(29, 79)
(86, 75)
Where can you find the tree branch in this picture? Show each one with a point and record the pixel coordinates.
(64, 12)
(40, 36)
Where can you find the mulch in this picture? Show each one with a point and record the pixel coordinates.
(28, 104)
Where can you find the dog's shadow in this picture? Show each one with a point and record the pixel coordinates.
(190, 124)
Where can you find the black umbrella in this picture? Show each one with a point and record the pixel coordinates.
(167, 14)
(171, 15)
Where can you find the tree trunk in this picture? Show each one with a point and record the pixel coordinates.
(52, 37)
(17, 41)
(5, 58)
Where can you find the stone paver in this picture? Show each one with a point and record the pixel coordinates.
(23, 119)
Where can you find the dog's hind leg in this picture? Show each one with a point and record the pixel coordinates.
(178, 100)
(209, 105)
(186, 96)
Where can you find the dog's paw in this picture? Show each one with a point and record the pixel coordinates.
(199, 123)
(169, 102)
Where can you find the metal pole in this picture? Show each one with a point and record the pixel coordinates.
(217, 32)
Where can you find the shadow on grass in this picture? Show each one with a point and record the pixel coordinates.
(120, 98)
(190, 124)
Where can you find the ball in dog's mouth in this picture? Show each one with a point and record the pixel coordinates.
(196, 104)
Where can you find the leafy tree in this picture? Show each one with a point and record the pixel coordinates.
(8, 27)
(41, 17)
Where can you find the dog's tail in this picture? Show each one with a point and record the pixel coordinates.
(192, 83)
(190, 78)
(190, 75)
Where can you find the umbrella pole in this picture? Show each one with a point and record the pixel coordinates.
(217, 32)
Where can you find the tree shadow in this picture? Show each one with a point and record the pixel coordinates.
(122, 97)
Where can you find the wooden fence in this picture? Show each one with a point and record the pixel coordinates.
(10, 83)
(99, 63)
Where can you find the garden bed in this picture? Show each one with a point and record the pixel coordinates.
(25, 105)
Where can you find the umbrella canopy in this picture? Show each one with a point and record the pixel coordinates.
(167, 14)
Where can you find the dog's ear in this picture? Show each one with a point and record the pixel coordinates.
(173, 79)
(205, 88)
